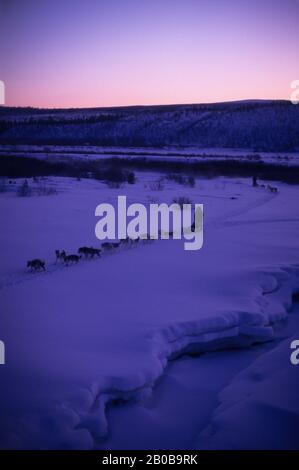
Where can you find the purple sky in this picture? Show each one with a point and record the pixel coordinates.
(82, 53)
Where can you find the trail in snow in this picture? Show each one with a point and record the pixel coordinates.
(53, 267)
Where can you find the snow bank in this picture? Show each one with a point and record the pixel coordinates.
(259, 409)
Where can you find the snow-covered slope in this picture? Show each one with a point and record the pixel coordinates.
(82, 336)
(262, 125)
(259, 408)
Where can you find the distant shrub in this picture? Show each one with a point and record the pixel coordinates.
(131, 178)
(24, 189)
(186, 180)
(191, 181)
(157, 185)
(45, 191)
(114, 176)
(118, 176)
(177, 178)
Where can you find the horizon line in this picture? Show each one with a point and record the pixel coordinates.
(210, 103)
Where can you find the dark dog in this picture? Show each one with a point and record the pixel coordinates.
(107, 246)
(71, 259)
(94, 252)
(59, 255)
(84, 250)
(36, 265)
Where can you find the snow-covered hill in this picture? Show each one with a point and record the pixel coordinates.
(261, 125)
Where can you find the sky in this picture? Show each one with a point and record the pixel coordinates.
(89, 53)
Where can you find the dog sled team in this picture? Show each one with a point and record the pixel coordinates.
(85, 252)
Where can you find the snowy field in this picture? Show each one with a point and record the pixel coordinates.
(98, 354)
